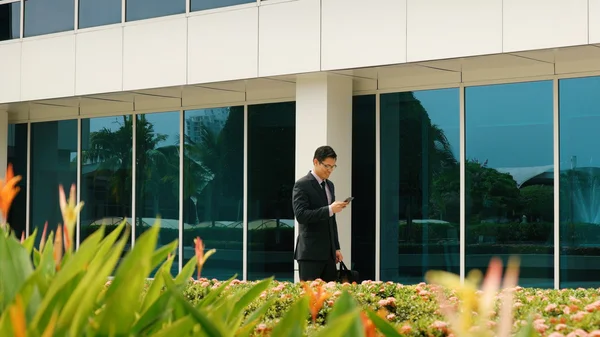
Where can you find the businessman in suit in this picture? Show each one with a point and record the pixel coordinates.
(317, 246)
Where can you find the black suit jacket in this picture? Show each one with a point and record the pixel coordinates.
(317, 231)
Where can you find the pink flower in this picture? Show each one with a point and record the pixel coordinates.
(578, 316)
(556, 334)
(550, 307)
(560, 327)
(406, 329)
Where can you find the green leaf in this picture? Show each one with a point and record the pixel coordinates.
(213, 328)
(181, 327)
(253, 319)
(248, 297)
(382, 325)
(293, 323)
(158, 310)
(212, 295)
(157, 284)
(86, 252)
(187, 271)
(28, 243)
(527, 330)
(341, 326)
(161, 254)
(15, 268)
(80, 306)
(345, 304)
(123, 296)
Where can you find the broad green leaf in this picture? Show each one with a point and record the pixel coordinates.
(248, 297)
(158, 310)
(253, 319)
(86, 252)
(187, 271)
(382, 325)
(293, 323)
(527, 330)
(161, 254)
(341, 326)
(56, 302)
(15, 268)
(122, 297)
(29, 241)
(213, 294)
(345, 304)
(157, 284)
(212, 328)
(81, 304)
(178, 328)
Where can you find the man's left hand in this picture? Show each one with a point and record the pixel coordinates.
(338, 256)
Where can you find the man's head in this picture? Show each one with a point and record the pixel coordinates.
(324, 161)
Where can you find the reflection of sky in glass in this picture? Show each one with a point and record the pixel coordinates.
(145, 9)
(442, 106)
(48, 16)
(579, 121)
(165, 123)
(197, 5)
(94, 13)
(510, 125)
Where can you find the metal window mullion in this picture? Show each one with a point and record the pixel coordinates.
(133, 176)
(76, 16)
(462, 223)
(123, 11)
(556, 137)
(377, 188)
(28, 182)
(79, 153)
(245, 199)
(181, 177)
(22, 23)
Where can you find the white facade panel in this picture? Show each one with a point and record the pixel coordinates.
(154, 54)
(440, 29)
(539, 24)
(289, 37)
(358, 33)
(99, 61)
(10, 68)
(594, 21)
(223, 46)
(48, 68)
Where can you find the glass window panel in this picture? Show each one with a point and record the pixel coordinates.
(198, 5)
(363, 186)
(17, 156)
(579, 182)
(157, 176)
(509, 178)
(271, 176)
(106, 186)
(420, 184)
(10, 21)
(94, 13)
(213, 188)
(48, 16)
(146, 9)
(53, 162)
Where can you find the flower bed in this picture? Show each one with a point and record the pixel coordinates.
(415, 311)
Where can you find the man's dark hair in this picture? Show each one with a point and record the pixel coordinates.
(324, 152)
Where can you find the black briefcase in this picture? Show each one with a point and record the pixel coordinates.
(347, 275)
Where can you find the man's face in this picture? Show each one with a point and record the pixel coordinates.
(324, 169)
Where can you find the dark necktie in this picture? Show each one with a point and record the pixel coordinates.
(324, 192)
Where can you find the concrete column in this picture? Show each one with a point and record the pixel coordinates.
(4, 143)
(324, 117)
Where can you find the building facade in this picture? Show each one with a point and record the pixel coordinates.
(464, 129)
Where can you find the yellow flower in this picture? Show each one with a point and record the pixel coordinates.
(69, 212)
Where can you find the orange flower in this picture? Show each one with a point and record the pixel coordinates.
(17, 317)
(43, 241)
(199, 248)
(69, 211)
(316, 299)
(58, 247)
(8, 191)
(368, 324)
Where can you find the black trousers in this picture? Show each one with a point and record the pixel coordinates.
(312, 270)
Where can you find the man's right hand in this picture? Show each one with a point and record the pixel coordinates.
(338, 206)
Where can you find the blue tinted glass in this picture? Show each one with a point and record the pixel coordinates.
(94, 13)
(106, 150)
(579, 182)
(271, 177)
(198, 5)
(157, 177)
(146, 9)
(509, 178)
(53, 162)
(17, 156)
(363, 184)
(48, 16)
(213, 188)
(420, 184)
(10, 21)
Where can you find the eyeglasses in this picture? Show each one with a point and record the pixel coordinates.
(329, 167)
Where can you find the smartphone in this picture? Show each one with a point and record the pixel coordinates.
(349, 199)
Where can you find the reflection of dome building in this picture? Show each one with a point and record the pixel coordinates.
(532, 175)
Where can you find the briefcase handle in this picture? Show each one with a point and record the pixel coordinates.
(343, 266)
